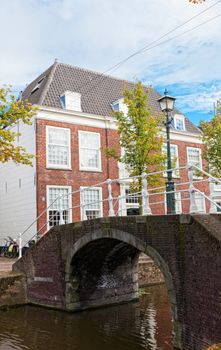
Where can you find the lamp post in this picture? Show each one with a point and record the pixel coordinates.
(167, 105)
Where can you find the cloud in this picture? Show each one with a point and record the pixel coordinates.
(96, 34)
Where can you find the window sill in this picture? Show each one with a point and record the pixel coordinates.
(91, 170)
(57, 168)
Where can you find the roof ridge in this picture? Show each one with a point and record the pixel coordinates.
(102, 74)
(48, 83)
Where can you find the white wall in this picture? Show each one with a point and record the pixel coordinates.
(18, 191)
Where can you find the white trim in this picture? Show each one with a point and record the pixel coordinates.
(178, 194)
(99, 168)
(177, 161)
(98, 121)
(100, 199)
(203, 201)
(200, 159)
(58, 166)
(69, 201)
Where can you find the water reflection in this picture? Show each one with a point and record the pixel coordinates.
(142, 325)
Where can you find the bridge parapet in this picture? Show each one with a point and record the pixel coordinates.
(149, 200)
(94, 263)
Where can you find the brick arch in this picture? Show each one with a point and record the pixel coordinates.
(187, 248)
(129, 240)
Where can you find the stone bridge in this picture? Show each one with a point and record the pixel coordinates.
(94, 263)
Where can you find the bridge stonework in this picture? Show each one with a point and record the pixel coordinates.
(94, 263)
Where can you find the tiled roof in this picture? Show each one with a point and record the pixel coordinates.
(98, 91)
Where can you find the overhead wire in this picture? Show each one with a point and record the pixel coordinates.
(148, 46)
(162, 43)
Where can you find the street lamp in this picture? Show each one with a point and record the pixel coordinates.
(167, 105)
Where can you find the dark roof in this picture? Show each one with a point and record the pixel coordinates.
(98, 91)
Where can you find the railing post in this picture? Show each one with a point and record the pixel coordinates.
(145, 197)
(192, 191)
(110, 198)
(61, 220)
(20, 245)
(213, 208)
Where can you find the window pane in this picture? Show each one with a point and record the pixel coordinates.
(58, 155)
(58, 147)
(180, 124)
(58, 205)
(194, 156)
(58, 136)
(92, 205)
(89, 158)
(200, 202)
(89, 140)
(131, 198)
(89, 150)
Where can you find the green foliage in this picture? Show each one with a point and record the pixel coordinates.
(140, 137)
(11, 112)
(211, 136)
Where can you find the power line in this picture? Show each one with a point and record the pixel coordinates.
(147, 46)
(187, 31)
(161, 43)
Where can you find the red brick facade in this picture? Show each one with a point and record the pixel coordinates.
(76, 178)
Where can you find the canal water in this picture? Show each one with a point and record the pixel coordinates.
(134, 326)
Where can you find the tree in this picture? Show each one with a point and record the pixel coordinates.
(12, 111)
(139, 137)
(211, 136)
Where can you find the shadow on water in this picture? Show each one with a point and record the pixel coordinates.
(138, 325)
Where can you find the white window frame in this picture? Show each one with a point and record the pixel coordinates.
(200, 156)
(175, 174)
(181, 117)
(58, 166)
(83, 216)
(204, 202)
(93, 169)
(179, 198)
(48, 187)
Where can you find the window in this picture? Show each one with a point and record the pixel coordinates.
(178, 203)
(179, 122)
(89, 148)
(120, 106)
(37, 86)
(132, 203)
(200, 202)
(58, 147)
(71, 100)
(174, 158)
(131, 198)
(60, 207)
(194, 156)
(91, 195)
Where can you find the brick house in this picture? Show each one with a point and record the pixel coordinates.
(74, 121)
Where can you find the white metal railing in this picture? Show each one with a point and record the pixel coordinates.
(144, 196)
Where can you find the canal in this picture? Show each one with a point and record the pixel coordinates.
(145, 324)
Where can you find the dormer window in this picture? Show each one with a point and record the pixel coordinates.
(179, 122)
(120, 106)
(37, 86)
(71, 100)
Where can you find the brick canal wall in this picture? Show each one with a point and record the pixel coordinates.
(12, 289)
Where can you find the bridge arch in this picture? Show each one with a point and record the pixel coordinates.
(107, 246)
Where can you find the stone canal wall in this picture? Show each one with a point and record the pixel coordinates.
(148, 272)
(12, 289)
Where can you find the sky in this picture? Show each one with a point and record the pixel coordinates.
(97, 34)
